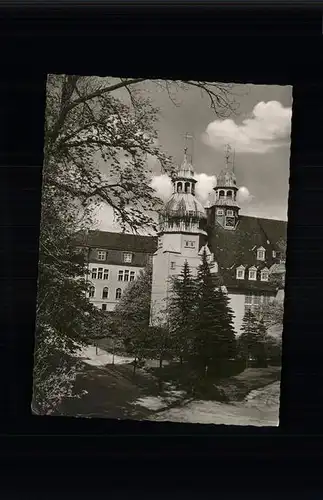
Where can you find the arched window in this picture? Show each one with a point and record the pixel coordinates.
(91, 292)
(187, 187)
(229, 194)
(193, 189)
(221, 194)
(118, 293)
(179, 187)
(105, 293)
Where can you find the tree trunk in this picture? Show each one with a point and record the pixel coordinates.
(181, 360)
(160, 362)
(113, 349)
(134, 366)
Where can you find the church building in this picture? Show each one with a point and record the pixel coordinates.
(246, 252)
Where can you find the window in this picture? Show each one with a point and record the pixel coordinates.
(172, 265)
(230, 213)
(264, 275)
(132, 275)
(189, 244)
(94, 271)
(126, 276)
(179, 187)
(240, 273)
(187, 187)
(118, 293)
(220, 211)
(100, 273)
(261, 253)
(274, 254)
(248, 300)
(104, 307)
(221, 194)
(252, 273)
(101, 255)
(127, 257)
(252, 301)
(229, 194)
(91, 292)
(120, 276)
(106, 274)
(105, 293)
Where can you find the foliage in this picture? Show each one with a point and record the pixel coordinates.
(214, 338)
(85, 125)
(132, 314)
(181, 310)
(253, 339)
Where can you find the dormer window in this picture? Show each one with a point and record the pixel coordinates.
(252, 274)
(101, 255)
(127, 257)
(261, 253)
(240, 273)
(264, 275)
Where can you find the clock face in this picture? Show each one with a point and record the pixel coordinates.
(230, 221)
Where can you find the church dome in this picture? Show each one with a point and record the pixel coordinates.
(186, 170)
(226, 178)
(184, 205)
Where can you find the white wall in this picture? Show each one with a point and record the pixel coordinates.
(237, 304)
(111, 283)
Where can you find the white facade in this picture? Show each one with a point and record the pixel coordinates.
(111, 280)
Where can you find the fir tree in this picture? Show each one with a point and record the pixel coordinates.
(181, 311)
(214, 335)
(249, 337)
(260, 345)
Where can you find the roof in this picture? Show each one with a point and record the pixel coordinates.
(117, 241)
(226, 178)
(239, 247)
(181, 204)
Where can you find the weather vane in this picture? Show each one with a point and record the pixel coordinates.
(229, 156)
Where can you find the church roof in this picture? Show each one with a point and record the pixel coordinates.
(186, 170)
(226, 178)
(184, 204)
(232, 249)
(117, 241)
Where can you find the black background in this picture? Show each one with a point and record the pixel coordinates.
(265, 46)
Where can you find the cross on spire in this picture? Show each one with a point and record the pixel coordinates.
(187, 137)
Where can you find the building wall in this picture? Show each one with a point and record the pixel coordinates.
(112, 283)
(237, 304)
(167, 263)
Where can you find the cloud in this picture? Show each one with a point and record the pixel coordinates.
(268, 128)
(244, 196)
(164, 188)
(162, 184)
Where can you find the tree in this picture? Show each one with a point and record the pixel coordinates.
(252, 341)
(214, 335)
(181, 310)
(85, 124)
(132, 315)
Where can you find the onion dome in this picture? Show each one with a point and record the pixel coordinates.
(184, 205)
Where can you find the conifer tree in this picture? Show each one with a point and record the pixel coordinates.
(214, 335)
(249, 336)
(181, 309)
(260, 344)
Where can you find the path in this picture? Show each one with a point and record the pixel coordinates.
(260, 408)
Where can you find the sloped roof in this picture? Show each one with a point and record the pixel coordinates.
(117, 241)
(239, 247)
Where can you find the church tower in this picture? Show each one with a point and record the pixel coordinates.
(181, 235)
(226, 208)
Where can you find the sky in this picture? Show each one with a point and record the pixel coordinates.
(259, 133)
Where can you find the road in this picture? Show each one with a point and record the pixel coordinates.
(260, 408)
